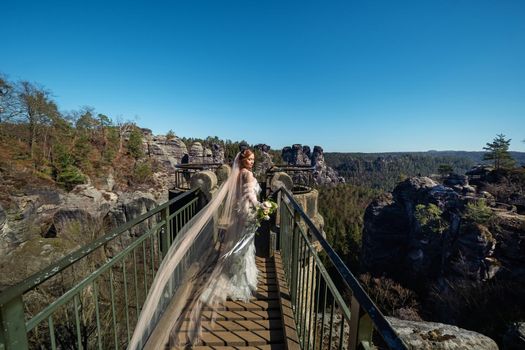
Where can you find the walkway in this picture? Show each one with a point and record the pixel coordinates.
(259, 323)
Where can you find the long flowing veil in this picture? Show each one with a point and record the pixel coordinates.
(189, 277)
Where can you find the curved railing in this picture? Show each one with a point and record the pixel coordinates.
(184, 172)
(92, 297)
(301, 175)
(327, 314)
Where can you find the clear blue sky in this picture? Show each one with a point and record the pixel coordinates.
(357, 76)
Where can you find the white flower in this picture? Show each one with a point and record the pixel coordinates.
(266, 205)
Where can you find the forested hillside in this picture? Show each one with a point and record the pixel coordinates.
(342, 208)
(384, 170)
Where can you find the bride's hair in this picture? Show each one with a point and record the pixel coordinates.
(243, 155)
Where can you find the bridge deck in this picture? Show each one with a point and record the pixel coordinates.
(266, 322)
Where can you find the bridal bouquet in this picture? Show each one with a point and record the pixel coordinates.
(265, 209)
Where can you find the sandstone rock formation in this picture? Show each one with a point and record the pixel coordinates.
(264, 161)
(394, 241)
(439, 336)
(168, 152)
(42, 225)
(458, 248)
(302, 155)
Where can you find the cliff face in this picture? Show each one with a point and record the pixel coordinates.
(460, 249)
(40, 226)
(302, 155)
(424, 230)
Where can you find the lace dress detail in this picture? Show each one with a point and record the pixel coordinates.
(238, 278)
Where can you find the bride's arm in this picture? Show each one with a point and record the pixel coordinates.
(249, 183)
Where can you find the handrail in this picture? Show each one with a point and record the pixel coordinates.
(384, 328)
(55, 268)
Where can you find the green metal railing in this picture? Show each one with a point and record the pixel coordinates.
(92, 297)
(327, 315)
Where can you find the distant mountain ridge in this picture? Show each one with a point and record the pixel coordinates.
(385, 170)
(475, 156)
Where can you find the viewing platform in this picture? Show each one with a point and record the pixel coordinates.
(298, 304)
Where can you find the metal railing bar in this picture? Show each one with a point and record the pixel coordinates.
(341, 334)
(69, 259)
(136, 283)
(77, 321)
(305, 293)
(144, 273)
(328, 280)
(316, 310)
(323, 315)
(298, 289)
(97, 315)
(113, 311)
(152, 254)
(381, 324)
(310, 315)
(331, 323)
(126, 299)
(30, 324)
(52, 332)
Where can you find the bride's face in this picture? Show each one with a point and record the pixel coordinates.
(248, 162)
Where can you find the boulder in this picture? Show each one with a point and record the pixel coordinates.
(168, 152)
(455, 179)
(222, 173)
(302, 155)
(439, 336)
(217, 153)
(196, 153)
(207, 182)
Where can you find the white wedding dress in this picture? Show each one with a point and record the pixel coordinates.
(200, 272)
(238, 278)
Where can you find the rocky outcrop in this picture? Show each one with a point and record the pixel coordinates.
(439, 336)
(420, 232)
(41, 226)
(296, 155)
(302, 155)
(217, 154)
(264, 161)
(459, 249)
(196, 153)
(169, 152)
(323, 174)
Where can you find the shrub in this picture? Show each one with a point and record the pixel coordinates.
(69, 177)
(142, 172)
(392, 298)
(479, 213)
(429, 218)
(485, 307)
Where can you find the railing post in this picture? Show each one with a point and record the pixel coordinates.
(166, 238)
(295, 254)
(13, 334)
(361, 326)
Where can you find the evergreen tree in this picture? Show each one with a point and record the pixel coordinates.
(498, 151)
(135, 143)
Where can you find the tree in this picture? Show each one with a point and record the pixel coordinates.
(170, 135)
(498, 151)
(445, 169)
(35, 108)
(135, 143)
(124, 128)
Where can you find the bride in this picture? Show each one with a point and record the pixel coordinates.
(211, 259)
